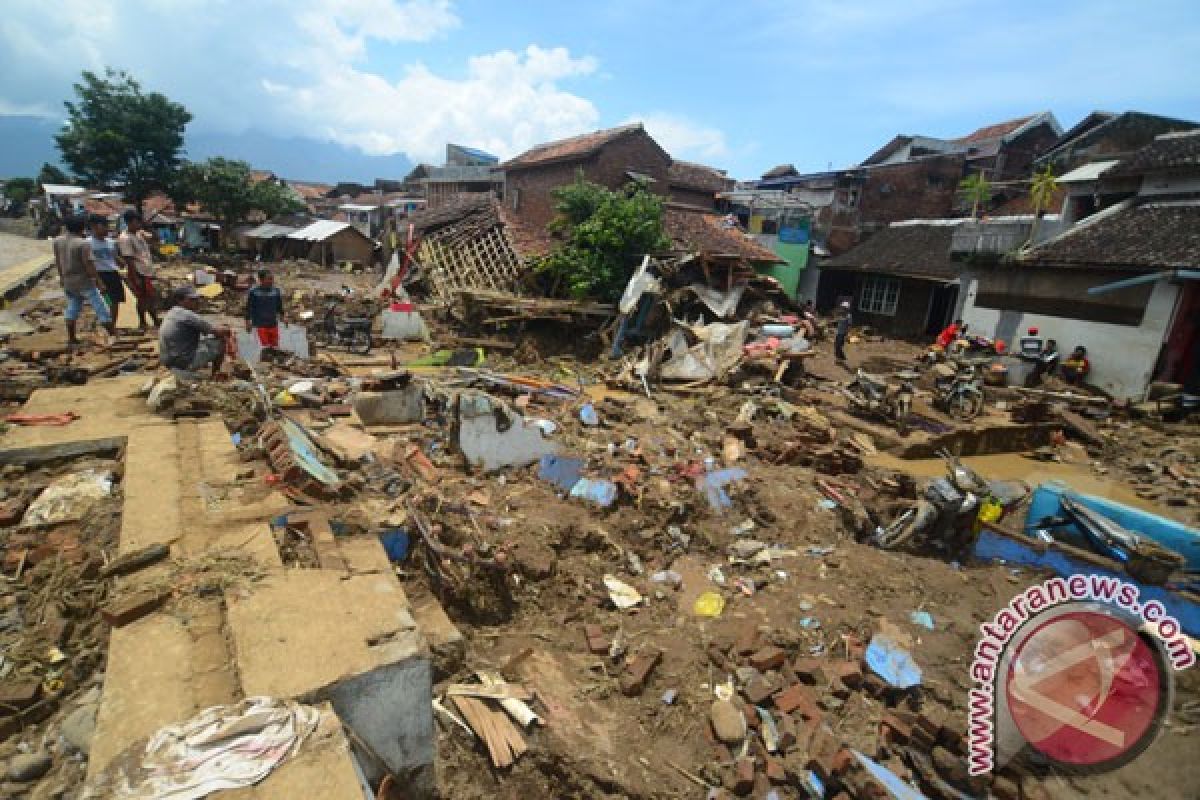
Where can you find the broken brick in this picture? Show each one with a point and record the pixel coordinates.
(597, 642)
(874, 685)
(822, 753)
(953, 738)
(849, 673)
(757, 691)
(812, 671)
(797, 698)
(11, 511)
(1005, 788)
(18, 695)
(855, 648)
(843, 761)
(747, 642)
(895, 730)
(775, 771)
(768, 658)
(637, 672)
(743, 779)
(134, 607)
(787, 732)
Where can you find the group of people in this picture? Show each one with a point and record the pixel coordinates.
(95, 269)
(90, 265)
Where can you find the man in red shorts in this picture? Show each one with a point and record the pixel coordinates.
(264, 309)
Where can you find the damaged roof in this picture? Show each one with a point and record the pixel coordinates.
(713, 235)
(576, 148)
(698, 176)
(1168, 151)
(475, 214)
(1150, 236)
(910, 250)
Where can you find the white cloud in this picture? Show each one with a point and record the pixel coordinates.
(301, 68)
(684, 138)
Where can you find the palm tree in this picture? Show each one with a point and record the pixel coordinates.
(1042, 188)
(978, 189)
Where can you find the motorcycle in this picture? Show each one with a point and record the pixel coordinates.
(944, 514)
(872, 395)
(352, 333)
(958, 390)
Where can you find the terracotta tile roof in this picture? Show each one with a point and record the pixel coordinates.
(309, 191)
(916, 251)
(698, 176)
(997, 131)
(1023, 204)
(475, 213)
(780, 171)
(713, 235)
(260, 175)
(1151, 236)
(1171, 151)
(575, 148)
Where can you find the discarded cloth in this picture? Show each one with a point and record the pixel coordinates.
(223, 747)
(69, 498)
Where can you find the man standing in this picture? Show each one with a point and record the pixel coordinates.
(187, 342)
(264, 309)
(104, 255)
(73, 257)
(842, 332)
(134, 255)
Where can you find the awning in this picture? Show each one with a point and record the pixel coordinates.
(1149, 277)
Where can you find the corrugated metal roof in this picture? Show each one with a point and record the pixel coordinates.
(319, 230)
(61, 189)
(356, 207)
(269, 230)
(1088, 172)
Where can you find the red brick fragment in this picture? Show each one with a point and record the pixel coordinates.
(849, 673)
(637, 672)
(597, 642)
(134, 607)
(768, 658)
(743, 779)
(813, 671)
(747, 642)
(895, 729)
(798, 698)
(775, 771)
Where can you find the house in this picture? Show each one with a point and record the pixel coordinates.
(1121, 280)
(782, 223)
(611, 158)
(713, 237)
(1103, 135)
(468, 170)
(696, 184)
(329, 243)
(901, 281)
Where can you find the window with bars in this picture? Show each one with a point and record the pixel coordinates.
(879, 295)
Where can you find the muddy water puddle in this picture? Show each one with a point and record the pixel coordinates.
(1013, 466)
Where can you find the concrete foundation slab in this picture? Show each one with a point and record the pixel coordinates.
(492, 436)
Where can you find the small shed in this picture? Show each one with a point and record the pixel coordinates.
(329, 242)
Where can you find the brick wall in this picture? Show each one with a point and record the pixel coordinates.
(924, 189)
(694, 197)
(530, 188)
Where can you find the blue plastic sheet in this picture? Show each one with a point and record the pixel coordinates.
(563, 471)
(893, 663)
(395, 543)
(713, 485)
(602, 493)
(588, 415)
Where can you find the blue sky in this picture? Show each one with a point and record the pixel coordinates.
(743, 86)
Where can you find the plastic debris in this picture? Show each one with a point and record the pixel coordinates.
(716, 575)
(563, 471)
(69, 498)
(623, 595)
(395, 543)
(588, 415)
(713, 485)
(810, 623)
(668, 697)
(602, 493)
(709, 604)
(922, 618)
(890, 661)
(742, 528)
(547, 426)
(891, 782)
(668, 577)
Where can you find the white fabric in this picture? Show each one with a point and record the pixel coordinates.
(223, 747)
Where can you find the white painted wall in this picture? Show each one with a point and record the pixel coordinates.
(1122, 356)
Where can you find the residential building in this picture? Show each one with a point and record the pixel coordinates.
(467, 171)
(1105, 136)
(696, 184)
(1121, 280)
(611, 158)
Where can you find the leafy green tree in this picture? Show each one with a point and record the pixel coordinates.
(116, 134)
(225, 188)
(52, 174)
(606, 235)
(978, 190)
(19, 190)
(1042, 189)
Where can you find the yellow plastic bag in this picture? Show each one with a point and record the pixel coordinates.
(709, 604)
(990, 510)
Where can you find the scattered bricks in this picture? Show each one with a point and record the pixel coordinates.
(849, 673)
(798, 698)
(757, 691)
(856, 650)
(125, 610)
(11, 511)
(18, 695)
(637, 672)
(813, 671)
(768, 658)
(953, 737)
(840, 691)
(1005, 788)
(843, 761)
(752, 720)
(743, 778)
(822, 753)
(950, 766)
(775, 770)
(788, 735)
(874, 685)
(895, 730)
(927, 725)
(597, 642)
(747, 642)
(718, 659)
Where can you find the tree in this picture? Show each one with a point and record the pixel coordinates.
(1042, 188)
(116, 134)
(225, 188)
(978, 189)
(606, 234)
(19, 190)
(52, 174)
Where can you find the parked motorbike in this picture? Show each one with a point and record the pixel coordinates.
(352, 333)
(872, 395)
(944, 514)
(958, 390)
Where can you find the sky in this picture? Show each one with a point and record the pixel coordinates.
(742, 86)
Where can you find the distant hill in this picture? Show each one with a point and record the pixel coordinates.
(27, 142)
